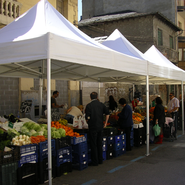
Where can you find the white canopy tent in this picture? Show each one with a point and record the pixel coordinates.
(159, 69)
(43, 44)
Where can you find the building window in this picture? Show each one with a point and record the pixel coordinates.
(160, 37)
(171, 42)
(180, 54)
(60, 5)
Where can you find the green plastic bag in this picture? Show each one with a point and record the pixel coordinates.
(157, 130)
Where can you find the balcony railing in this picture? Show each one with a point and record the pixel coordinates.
(9, 10)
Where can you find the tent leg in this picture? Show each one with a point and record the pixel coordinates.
(182, 93)
(147, 116)
(49, 119)
(40, 96)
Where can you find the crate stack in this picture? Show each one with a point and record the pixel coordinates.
(132, 137)
(138, 135)
(104, 147)
(27, 172)
(9, 165)
(79, 152)
(63, 155)
(43, 161)
(119, 145)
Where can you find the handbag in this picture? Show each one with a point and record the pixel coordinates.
(157, 130)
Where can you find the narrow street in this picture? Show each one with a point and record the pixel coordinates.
(164, 166)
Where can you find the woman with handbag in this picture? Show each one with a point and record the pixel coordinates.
(159, 118)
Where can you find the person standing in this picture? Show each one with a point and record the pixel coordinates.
(125, 121)
(159, 117)
(134, 103)
(94, 116)
(55, 116)
(112, 103)
(172, 108)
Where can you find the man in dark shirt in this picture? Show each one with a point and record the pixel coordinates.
(55, 116)
(125, 121)
(94, 115)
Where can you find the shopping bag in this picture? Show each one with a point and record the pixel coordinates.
(84, 123)
(157, 130)
(75, 122)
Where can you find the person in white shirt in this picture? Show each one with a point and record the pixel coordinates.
(172, 108)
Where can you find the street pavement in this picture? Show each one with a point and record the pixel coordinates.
(164, 166)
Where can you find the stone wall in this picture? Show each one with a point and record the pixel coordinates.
(93, 8)
(9, 96)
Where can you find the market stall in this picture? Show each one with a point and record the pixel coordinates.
(43, 44)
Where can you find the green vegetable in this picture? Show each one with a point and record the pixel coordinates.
(24, 130)
(1, 132)
(55, 135)
(44, 126)
(12, 133)
(62, 132)
(46, 134)
(36, 127)
(4, 143)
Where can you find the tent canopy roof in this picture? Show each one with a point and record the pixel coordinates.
(43, 33)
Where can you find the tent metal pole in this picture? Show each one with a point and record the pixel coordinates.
(147, 115)
(49, 119)
(40, 96)
(182, 93)
(133, 90)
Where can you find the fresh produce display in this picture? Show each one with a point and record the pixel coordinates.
(63, 121)
(4, 143)
(37, 139)
(11, 118)
(33, 129)
(21, 140)
(137, 118)
(12, 133)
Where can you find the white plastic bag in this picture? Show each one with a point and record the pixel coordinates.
(80, 123)
(75, 122)
(84, 123)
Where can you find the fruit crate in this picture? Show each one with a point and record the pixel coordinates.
(110, 147)
(104, 155)
(109, 131)
(118, 138)
(123, 136)
(29, 180)
(30, 158)
(124, 149)
(8, 173)
(43, 170)
(32, 148)
(62, 142)
(118, 146)
(110, 140)
(10, 156)
(78, 158)
(63, 168)
(80, 148)
(27, 169)
(104, 147)
(77, 140)
(109, 154)
(89, 157)
(104, 139)
(81, 165)
(118, 152)
(64, 155)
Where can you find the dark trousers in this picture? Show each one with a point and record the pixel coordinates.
(95, 138)
(175, 117)
(127, 131)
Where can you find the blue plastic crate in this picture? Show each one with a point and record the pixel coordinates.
(124, 143)
(81, 166)
(64, 151)
(117, 138)
(104, 139)
(123, 136)
(64, 159)
(118, 153)
(104, 147)
(78, 158)
(27, 159)
(118, 146)
(110, 140)
(124, 149)
(43, 146)
(109, 154)
(44, 155)
(80, 148)
(77, 140)
(104, 155)
(32, 148)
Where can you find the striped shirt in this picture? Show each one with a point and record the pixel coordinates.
(172, 104)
